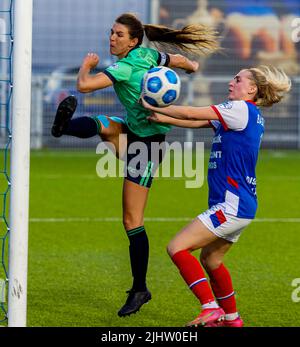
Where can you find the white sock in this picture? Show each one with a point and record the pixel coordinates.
(231, 316)
(211, 304)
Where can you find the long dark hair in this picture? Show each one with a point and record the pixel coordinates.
(195, 38)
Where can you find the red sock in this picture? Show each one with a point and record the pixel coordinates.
(193, 274)
(221, 284)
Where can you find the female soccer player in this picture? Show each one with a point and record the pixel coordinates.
(126, 75)
(239, 127)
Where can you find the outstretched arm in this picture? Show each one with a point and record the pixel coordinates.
(182, 123)
(86, 82)
(185, 112)
(181, 62)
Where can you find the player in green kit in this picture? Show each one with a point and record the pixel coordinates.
(125, 76)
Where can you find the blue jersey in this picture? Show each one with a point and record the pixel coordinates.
(234, 153)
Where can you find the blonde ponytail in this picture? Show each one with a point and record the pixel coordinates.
(272, 84)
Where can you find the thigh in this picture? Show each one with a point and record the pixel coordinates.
(134, 203)
(193, 236)
(143, 156)
(114, 132)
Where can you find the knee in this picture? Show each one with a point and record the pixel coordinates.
(170, 250)
(131, 221)
(210, 261)
(173, 247)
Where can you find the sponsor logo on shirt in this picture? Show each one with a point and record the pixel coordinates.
(226, 105)
(212, 165)
(216, 155)
(252, 182)
(260, 120)
(217, 139)
(114, 66)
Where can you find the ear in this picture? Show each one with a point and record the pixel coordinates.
(133, 42)
(253, 89)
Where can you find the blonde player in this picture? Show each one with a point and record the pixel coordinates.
(239, 127)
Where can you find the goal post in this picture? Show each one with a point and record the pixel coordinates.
(20, 159)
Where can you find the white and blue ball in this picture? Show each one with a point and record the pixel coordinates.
(160, 86)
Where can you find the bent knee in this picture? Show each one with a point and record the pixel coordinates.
(174, 247)
(210, 261)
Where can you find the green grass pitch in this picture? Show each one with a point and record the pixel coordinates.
(79, 266)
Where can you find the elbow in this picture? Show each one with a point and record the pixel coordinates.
(82, 87)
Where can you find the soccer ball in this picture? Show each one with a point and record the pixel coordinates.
(160, 86)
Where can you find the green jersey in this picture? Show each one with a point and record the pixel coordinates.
(126, 75)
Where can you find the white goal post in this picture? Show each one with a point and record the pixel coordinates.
(20, 154)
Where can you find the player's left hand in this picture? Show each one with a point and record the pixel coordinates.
(194, 66)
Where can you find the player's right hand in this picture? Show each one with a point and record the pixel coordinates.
(146, 104)
(157, 118)
(91, 60)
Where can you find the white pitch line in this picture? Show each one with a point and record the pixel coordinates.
(279, 220)
(103, 219)
(94, 176)
(147, 219)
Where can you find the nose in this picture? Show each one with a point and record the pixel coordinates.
(112, 37)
